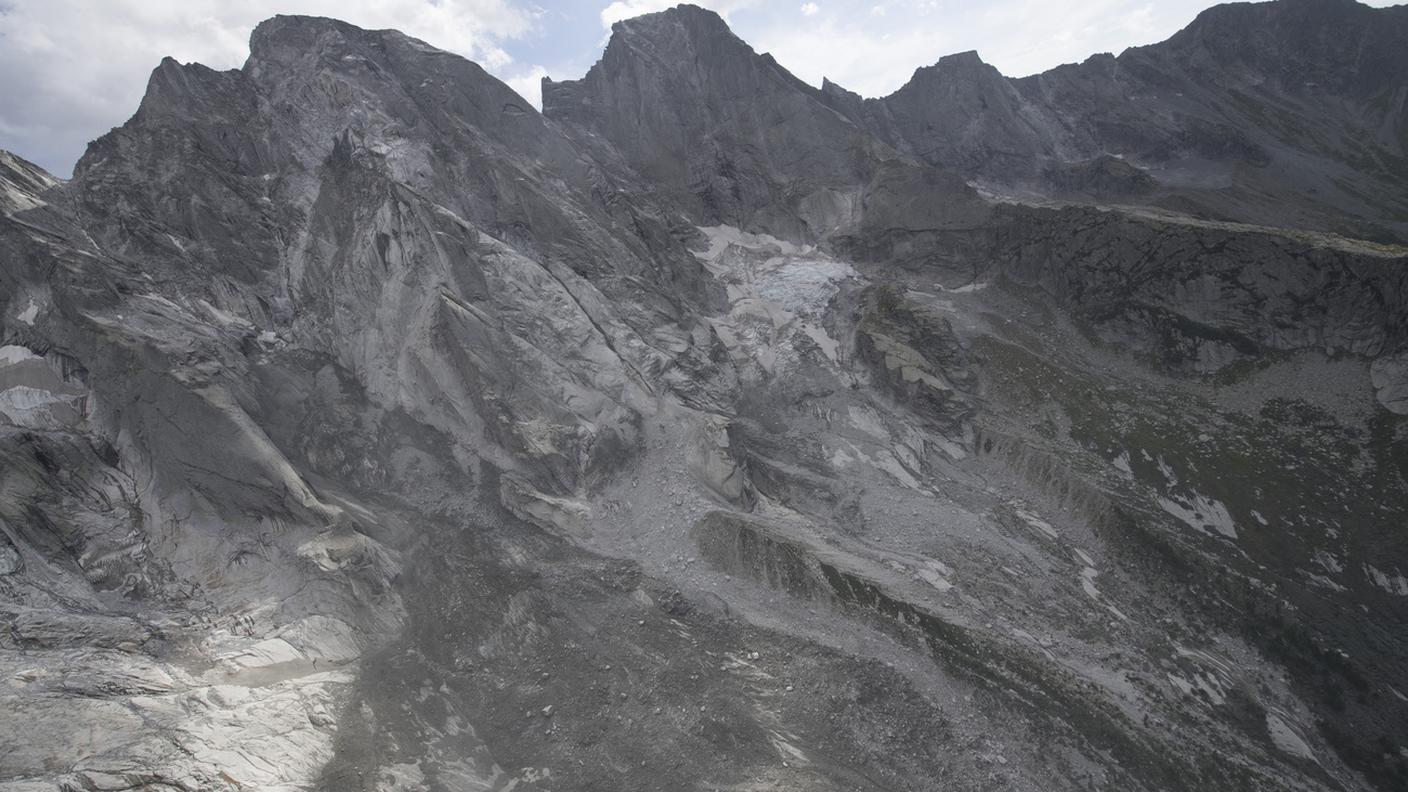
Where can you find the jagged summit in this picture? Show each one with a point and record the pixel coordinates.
(306, 45)
(661, 37)
(288, 30)
(684, 19)
(296, 42)
(314, 92)
(739, 139)
(957, 60)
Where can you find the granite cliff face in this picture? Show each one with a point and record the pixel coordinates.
(363, 428)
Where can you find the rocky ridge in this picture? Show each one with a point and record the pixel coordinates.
(1287, 113)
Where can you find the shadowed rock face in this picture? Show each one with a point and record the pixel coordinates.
(363, 428)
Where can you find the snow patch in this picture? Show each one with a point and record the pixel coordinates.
(1393, 584)
(1087, 582)
(828, 345)
(1035, 522)
(1207, 659)
(11, 354)
(1166, 470)
(29, 313)
(1328, 561)
(933, 578)
(800, 286)
(1202, 513)
(721, 236)
(1208, 685)
(25, 398)
(777, 283)
(1121, 464)
(36, 408)
(967, 288)
(1322, 581)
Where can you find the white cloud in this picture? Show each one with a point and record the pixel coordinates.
(873, 47)
(70, 69)
(868, 62)
(625, 9)
(810, 9)
(529, 84)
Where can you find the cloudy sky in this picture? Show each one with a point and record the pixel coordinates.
(72, 69)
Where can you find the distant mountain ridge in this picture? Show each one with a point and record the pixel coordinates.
(1292, 114)
(1288, 113)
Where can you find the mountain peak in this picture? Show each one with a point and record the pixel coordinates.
(284, 30)
(735, 136)
(695, 19)
(965, 67)
(290, 40)
(967, 58)
(665, 35)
